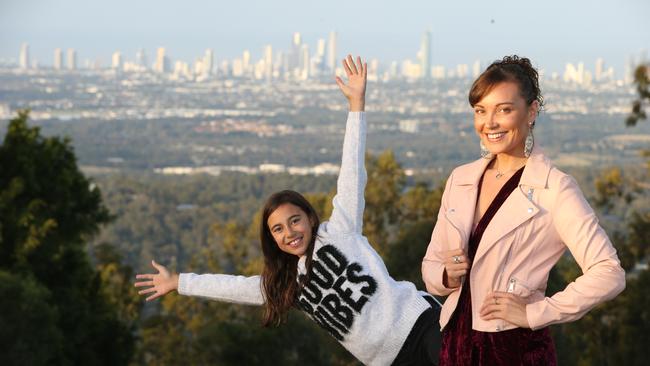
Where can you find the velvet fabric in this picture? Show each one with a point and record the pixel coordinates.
(464, 346)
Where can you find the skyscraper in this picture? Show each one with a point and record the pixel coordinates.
(268, 63)
(331, 52)
(304, 62)
(425, 55)
(58, 59)
(162, 61)
(117, 61)
(72, 59)
(24, 56)
(141, 58)
(208, 62)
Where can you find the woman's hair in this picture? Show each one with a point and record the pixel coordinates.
(510, 68)
(279, 277)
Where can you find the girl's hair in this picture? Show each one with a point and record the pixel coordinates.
(279, 277)
(510, 68)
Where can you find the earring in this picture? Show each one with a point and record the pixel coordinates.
(530, 141)
(485, 153)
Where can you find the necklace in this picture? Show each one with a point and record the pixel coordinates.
(500, 173)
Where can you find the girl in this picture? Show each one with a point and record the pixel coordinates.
(327, 270)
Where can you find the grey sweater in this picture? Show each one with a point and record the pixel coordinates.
(349, 293)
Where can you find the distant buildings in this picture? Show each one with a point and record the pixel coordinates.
(425, 56)
(24, 61)
(72, 59)
(162, 61)
(58, 59)
(300, 61)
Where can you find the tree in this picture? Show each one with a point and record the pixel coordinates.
(49, 210)
(642, 81)
(386, 181)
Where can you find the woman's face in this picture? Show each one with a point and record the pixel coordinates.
(502, 118)
(291, 229)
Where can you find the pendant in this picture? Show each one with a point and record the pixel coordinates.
(499, 175)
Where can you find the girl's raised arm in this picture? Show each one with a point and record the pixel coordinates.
(349, 203)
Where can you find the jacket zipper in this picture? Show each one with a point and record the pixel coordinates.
(512, 282)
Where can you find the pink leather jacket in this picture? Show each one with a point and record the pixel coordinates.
(543, 217)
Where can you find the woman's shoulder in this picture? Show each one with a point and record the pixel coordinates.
(469, 172)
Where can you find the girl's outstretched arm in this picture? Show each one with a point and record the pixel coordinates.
(220, 287)
(349, 203)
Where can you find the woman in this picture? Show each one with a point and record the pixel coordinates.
(504, 221)
(328, 270)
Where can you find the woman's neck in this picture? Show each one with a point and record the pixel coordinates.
(506, 163)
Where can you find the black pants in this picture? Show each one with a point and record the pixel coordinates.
(422, 345)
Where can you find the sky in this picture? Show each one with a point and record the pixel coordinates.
(550, 32)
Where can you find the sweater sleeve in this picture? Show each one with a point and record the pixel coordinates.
(602, 278)
(221, 287)
(349, 202)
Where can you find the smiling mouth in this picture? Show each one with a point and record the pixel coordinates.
(295, 242)
(496, 136)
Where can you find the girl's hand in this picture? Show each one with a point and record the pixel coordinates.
(161, 283)
(355, 89)
(505, 306)
(456, 266)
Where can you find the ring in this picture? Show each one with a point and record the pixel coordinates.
(456, 259)
(495, 301)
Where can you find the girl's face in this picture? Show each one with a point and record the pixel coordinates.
(291, 229)
(502, 119)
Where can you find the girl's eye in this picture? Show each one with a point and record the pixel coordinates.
(277, 230)
(479, 111)
(295, 221)
(505, 110)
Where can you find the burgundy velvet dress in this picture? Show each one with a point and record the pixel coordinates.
(462, 345)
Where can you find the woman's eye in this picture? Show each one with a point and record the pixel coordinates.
(479, 111)
(505, 110)
(295, 221)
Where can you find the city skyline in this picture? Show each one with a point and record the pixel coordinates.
(551, 35)
(297, 62)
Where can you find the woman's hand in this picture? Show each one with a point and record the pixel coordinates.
(355, 89)
(161, 283)
(456, 267)
(505, 306)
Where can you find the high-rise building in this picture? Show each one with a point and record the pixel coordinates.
(58, 59)
(268, 63)
(331, 52)
(208, 62)
(573, 74)
(162, 61)
(602, 73)
(425, 55)
(246, 61)
(117, 61)
(141, 58)
(476, 69)
(24, 56)
(72, 59)
(462, 71)
(320, 48)
(304, 62)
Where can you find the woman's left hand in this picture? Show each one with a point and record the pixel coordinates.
(505, 306)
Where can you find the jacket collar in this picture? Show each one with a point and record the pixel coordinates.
(536, 172)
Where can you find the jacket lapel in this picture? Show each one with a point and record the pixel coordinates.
(462, 203)
(519, 207)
